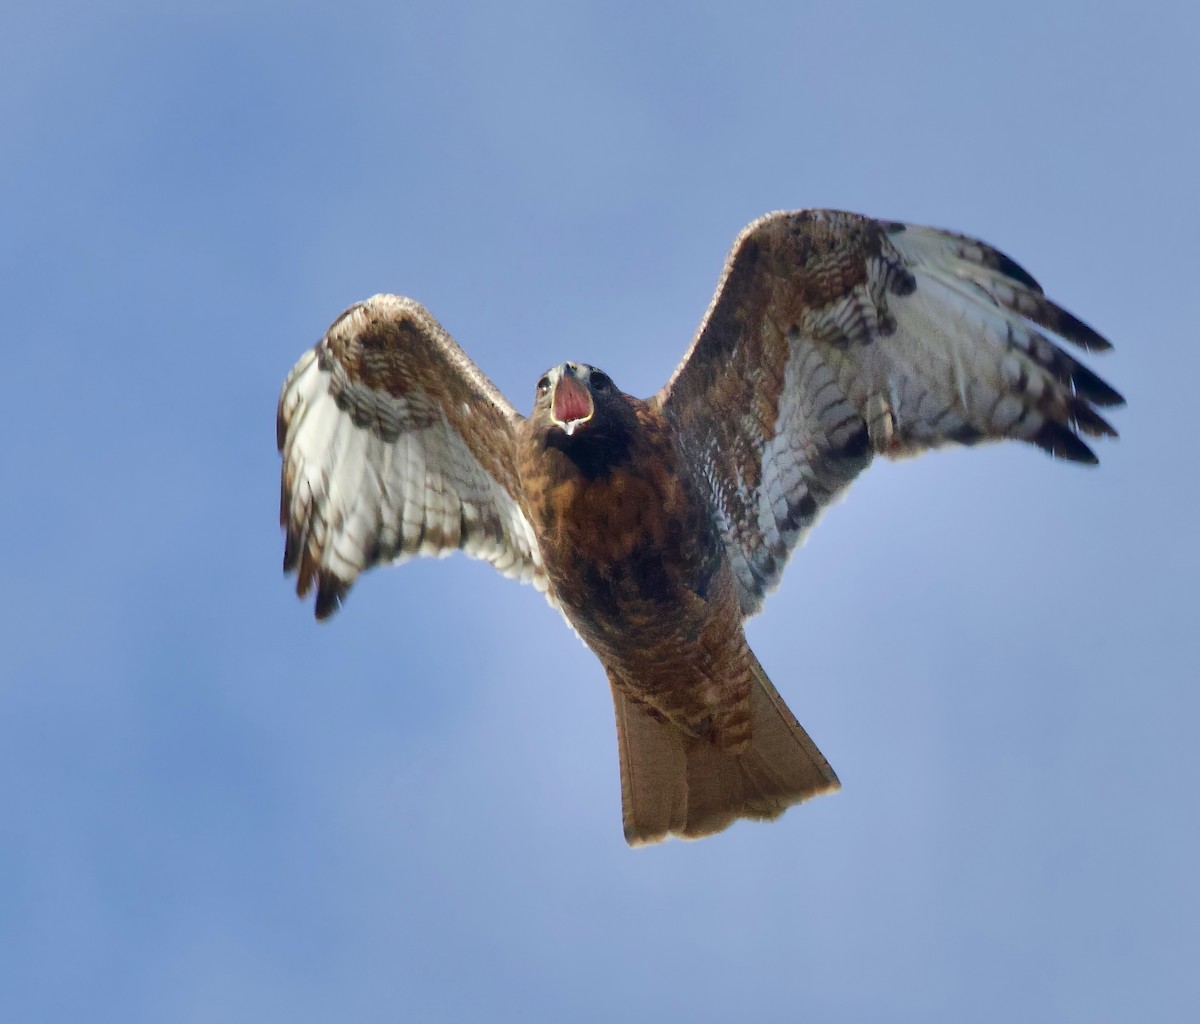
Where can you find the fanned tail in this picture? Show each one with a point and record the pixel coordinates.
(673, 783)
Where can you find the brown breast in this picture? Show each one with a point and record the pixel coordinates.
(636, 562)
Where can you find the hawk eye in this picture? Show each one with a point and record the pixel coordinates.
(543, 385)
(601, 381)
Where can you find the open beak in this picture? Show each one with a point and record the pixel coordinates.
(572, 405)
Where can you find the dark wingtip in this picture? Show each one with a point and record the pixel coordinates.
(1086, 420)
(331, 591)
(1011, 268)
(1074, 329)
(291, 552)
(1063, 443)
(1088, 385)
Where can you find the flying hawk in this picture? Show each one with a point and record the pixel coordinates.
(657, 526)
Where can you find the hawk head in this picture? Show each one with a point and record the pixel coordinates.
(579, 412)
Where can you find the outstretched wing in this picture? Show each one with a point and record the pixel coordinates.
(833, 337)
(394, 445)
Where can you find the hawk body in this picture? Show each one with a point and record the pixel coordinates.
(625, 533)
(657, 526)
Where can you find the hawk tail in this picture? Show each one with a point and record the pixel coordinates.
(673, 783)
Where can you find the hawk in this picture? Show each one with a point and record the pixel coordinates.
(657, 526)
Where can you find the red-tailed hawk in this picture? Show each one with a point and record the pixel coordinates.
(657, 526)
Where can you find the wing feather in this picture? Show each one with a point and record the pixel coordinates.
(833, 337)
(394, 444)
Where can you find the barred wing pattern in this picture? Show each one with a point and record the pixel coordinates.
(395, 444)
(833, 337)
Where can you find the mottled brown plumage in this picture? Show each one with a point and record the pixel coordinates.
(657, 526)
(625, 533)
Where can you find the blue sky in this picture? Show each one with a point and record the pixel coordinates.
(211, 808)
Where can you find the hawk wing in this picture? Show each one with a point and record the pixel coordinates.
(833, 337)
(394, 445)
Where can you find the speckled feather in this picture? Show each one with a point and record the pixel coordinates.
(833, 338)
(395, 445)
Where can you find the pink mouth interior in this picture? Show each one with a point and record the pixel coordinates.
(571, 400)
